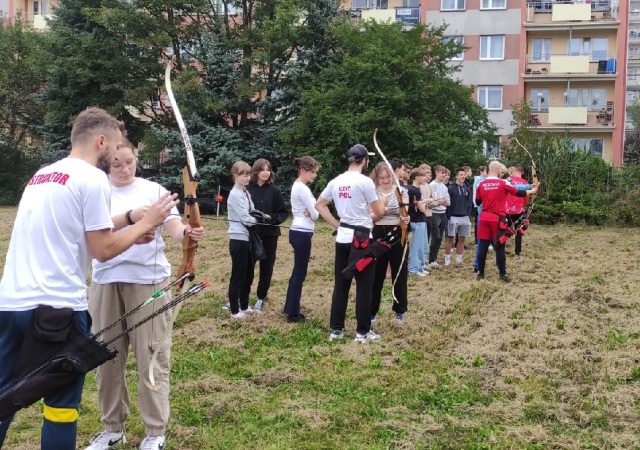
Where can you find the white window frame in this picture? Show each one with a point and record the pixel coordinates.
(545, 53)
(487, 43)
(540, 104)
(588, 144)
(484, 96)
(594, 99)
(491, 4)
(585, 47)
(460, 39)
(491, 151)
(458, 5)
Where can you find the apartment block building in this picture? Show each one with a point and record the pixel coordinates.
(491, 30)
(572, 71)
(33, 12)
(633, 57)
(567, 58)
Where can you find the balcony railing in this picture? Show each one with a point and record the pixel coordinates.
(406, 16)
(567, 10)
(572, 116)
(561, 64)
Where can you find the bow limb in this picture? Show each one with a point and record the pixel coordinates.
(534, 175)
(190, 178)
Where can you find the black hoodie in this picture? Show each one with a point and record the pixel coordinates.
(268, 199)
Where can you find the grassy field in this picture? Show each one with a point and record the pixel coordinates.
(549, 361)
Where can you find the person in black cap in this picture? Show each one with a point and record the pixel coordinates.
(355, 198)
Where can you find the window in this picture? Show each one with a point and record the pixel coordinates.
(493, 4)
(539, 99)
(593, 99)
(596, 48)
(411, 3)
(373, 4)
(492, 47)
(457, 40)
(39, 7)
(492, 149)
(452, 5)
(541, 50)
(490, 97)
(594, 146)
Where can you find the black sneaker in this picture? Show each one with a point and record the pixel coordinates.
(505, 278)
(296, 319)
(480, 276)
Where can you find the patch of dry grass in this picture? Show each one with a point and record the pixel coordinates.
(549, 361)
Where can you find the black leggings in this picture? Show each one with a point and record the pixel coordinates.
(514, 220)
(266, 267)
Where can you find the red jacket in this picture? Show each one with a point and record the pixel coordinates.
(515, 205)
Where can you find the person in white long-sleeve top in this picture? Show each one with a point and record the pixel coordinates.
(301, 232)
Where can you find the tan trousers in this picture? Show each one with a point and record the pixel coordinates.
(107, 303)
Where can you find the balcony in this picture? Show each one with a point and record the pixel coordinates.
(561, 12)
(562, 66)
(406, 16)
(37, 21)
(560, 117)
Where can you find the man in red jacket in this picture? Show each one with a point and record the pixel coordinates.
(515, 206)
(492, 195)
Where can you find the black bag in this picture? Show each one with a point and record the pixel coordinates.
(255, 244)
(53, 356)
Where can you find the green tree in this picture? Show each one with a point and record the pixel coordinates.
(110, 54)
(245, 85)
(400, 82)
(22, 75)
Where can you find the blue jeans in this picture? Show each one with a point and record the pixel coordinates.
(56, 435)
(418, 243)
(301, 243)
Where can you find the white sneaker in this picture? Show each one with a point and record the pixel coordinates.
(420, 274)
(238, 315)
(227, 306)
(152, 443)
(371, 336)
(434, 265)
(459, 260)
(425, 272)
(106, 440)
(258, 306)
(447, 260)
(249, 310)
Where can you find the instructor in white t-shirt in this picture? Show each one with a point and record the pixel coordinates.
(353, 194)
(62, 221)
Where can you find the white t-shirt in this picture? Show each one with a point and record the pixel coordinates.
(301, 198)
(145, 263)
(352, 194)
(440, 191)
(48, 258)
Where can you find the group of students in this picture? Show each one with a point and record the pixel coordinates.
(370, 209)
(81, 216)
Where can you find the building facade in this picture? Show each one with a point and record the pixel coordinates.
(572, 72)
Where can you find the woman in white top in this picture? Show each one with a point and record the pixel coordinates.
(118, 286)
(304, 215)
(389, 222)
